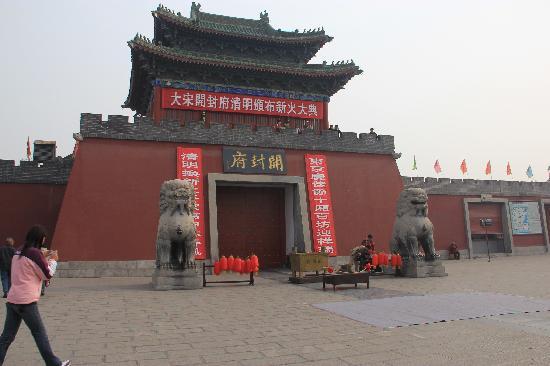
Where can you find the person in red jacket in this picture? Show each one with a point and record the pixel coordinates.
(370, 244)
(28, 269)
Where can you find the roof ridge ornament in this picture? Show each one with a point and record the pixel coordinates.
(264, 17)
(195, 10)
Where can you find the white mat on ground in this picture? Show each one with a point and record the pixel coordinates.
(413, 310)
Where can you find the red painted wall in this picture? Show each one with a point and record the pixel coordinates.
(110, 211)
(447, 216)
(489, 210)
(528, 240)
(23, 205)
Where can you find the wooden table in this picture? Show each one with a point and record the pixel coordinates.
(307, 262)
(346, 278)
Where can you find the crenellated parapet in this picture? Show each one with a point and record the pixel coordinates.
(55, 171)
(144, 129)
(464, 187)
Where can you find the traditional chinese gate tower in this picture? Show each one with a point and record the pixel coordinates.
(233, 106)
(222, 69)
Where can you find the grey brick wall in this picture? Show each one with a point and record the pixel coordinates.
(119, 127)
(55, 171)
(446, 186)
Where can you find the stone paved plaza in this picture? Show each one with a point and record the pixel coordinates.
(121, 321)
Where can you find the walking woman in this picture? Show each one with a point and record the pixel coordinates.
(29, 268)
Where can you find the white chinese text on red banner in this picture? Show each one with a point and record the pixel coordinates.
(320, 205)
(239, 103)
(190, 168)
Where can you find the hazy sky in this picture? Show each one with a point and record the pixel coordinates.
(451, 80)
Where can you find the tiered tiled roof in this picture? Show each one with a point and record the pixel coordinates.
(236, 52)
(186, 56)
(239, 27)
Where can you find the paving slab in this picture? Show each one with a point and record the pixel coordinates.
(122, 321)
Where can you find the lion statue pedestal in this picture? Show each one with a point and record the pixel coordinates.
(412, 229)
(167, 279)
(176, 239)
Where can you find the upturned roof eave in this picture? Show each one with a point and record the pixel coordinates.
(179, 20)
(246, 64)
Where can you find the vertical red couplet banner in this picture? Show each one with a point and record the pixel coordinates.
(190, 168)
(320, 204)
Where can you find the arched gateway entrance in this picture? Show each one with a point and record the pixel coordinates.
(266, 215)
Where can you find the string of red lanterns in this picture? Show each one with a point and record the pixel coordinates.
(237, 265)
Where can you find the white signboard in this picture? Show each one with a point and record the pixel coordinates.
(525, 218)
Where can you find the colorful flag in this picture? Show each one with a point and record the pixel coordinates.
(488, 168)
(529, 172)
(28, 148)
(437, 167)
(414, 163)
(463, 167)
(509, 169)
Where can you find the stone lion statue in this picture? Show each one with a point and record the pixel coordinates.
(412, 226)
(176, 230)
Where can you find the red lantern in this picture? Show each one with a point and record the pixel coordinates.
(223, 263)
(381, 258)
(394, 260)
(243, 266)
(375, 260)
(230, 262)
(254, 260)
(248, 265)
(330, 269)
(217, 269)
(237, 264)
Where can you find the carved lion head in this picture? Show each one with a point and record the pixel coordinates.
(413, 202)
(175, 194)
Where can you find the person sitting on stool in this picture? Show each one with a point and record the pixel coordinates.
(454, 253)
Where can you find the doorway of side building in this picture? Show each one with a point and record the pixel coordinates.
(252, 220)
(498, 240)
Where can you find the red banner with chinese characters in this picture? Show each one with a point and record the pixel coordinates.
(240, 103)
(320, 204)
(190, 169)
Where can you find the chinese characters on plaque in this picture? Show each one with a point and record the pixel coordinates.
(253, 161)
(240, 103)
(190, 168)
(320, 204)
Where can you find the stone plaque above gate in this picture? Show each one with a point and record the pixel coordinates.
(253, 161)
